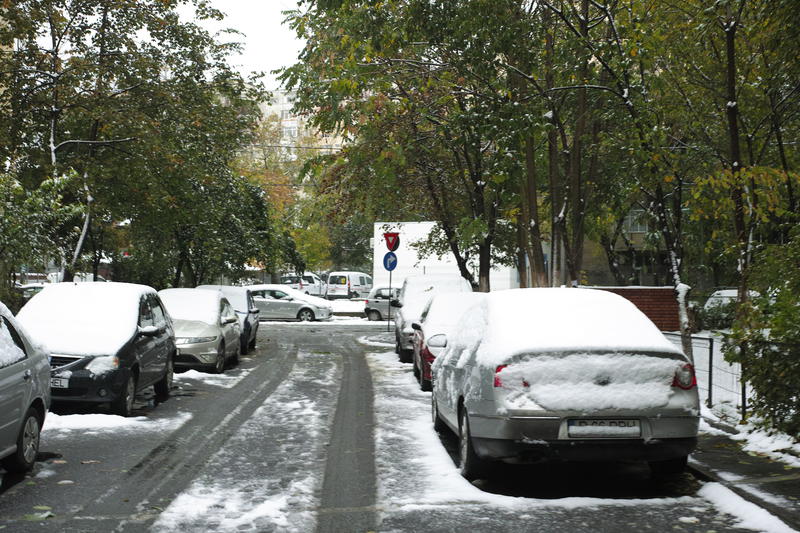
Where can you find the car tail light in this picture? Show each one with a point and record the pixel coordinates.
(498, 382)
(429, 357)
(685, 377)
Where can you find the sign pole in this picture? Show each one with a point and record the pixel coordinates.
(389, 316)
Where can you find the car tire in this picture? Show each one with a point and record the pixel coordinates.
(163, 386)
(406, 355)
(123, 405)
(23, 459)
(219, 364)
(669, 467)
(374, 315)
(355, 295)
(417, 374)
(438, 423)
(252, 345)
(305, 315)
(469, 464)
(425, 384)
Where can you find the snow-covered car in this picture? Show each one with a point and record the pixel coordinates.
(246, 311)
(376, 306)
(309, 283)
(436, 322)
(280, 302)
(206, 328)
(414, 295)
(106, 341)
(725, 297)
(24, 394)
(564, 374)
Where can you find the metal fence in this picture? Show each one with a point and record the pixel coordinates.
(718, 381)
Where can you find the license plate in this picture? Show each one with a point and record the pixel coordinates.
(59, 383)
(604, 428)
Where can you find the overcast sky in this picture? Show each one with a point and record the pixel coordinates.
(268, 44)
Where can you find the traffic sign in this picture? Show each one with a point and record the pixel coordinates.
(392, 240)
(390, 261)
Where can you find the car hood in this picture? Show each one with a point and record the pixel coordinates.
(194, 328)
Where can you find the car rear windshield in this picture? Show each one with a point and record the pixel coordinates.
(337, 280)
(289, 279)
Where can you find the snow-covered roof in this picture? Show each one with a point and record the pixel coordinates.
(237, 296)
(515, 321)
(446, 309)
(192, 304)
(84, 318)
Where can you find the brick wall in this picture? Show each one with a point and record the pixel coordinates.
(658, 303)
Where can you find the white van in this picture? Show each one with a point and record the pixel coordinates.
(347, 284)
(308, 283)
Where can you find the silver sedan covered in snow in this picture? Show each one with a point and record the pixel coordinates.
(564, 374)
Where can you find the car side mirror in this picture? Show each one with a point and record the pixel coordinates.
(395, 303)
(149, 331)
(254, 310)
(416, 326)
(438, 341)
(229, 320)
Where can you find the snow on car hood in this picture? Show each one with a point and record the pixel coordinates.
(192, 304)
(516, 321)
(84, 318)
(589, 382)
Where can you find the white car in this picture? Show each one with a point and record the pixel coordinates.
(280, 302)
(530, 375)
(348, 284)
(414, 295)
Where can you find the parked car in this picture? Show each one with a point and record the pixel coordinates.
(107, 341)
(564, 374)
(24, 394)
(436, 322)
(376, 306)
(242, 301)
(414, 295)
(206, 327)
(280, 302)
(309, 283)
(348, 284)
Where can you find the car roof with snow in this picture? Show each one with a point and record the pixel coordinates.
(511, 322)
(236, 295)
(84, 318)
(445, 309)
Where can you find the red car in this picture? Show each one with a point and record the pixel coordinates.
(436, 322)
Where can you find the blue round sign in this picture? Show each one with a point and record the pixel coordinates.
(390, 261)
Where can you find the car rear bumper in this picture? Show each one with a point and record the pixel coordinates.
(529, 439)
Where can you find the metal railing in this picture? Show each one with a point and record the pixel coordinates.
(718, 381)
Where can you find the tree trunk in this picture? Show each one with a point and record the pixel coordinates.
(534, 248)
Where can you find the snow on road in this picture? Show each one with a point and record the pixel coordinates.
(56, 426)
(265, 477)
(420, 487)
(228, 380)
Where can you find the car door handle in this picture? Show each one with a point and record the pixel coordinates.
(27, 375)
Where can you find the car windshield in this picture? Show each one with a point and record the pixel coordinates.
(337, 280)
(191, 304)
(289, 279)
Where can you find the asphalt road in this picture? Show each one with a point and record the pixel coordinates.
(319, 429)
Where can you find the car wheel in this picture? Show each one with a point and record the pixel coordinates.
(470, 465)
(355, 295)
(163, 386)
(438, 423)
(252, 345)
(23, 459)
(374, 315)
(235, 357)
(417, 374)
(406, 355)
(669, 467)
(219, 364)
(123, 405)
(425, 384)
(305, 315)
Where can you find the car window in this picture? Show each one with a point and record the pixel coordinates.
(337, 280)
(308, 279)
(145, 314)
(280, 295)
(12, 349)
(369, 280)
(362, 280)
(227, 310)
(159, 316)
